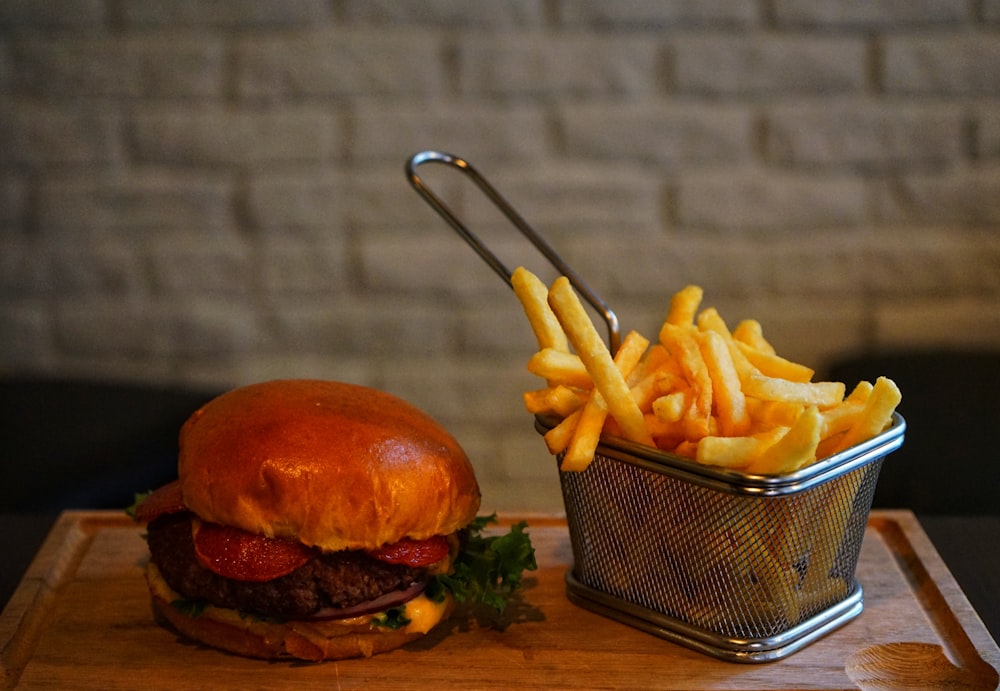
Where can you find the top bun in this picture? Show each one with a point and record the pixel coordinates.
(332, 465)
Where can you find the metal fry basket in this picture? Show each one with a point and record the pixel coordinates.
(742, 567)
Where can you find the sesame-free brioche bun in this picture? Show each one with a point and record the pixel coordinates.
(332, 465)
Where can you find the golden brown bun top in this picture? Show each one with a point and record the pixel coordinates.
(334, 465)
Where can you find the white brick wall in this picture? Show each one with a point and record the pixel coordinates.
(212, 193)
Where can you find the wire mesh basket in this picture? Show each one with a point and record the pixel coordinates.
(741, 567)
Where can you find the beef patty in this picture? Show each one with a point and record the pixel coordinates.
(337, 579)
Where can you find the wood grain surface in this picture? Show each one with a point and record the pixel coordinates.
(81, 619)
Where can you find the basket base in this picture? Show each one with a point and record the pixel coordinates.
(708, 642)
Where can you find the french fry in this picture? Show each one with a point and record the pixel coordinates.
(534, 297)
(861, 392)
(681, 344)
(684, 305)
(826, 541)
(767, 414)
(781, 592)
(772, 365)
(687, 448)
(820, 394)
(555, 400)
(750, 332)
(662, 430)
(560, 367)
(831, 590)
(587, 434)
(557, 438)
(671, 408)
(629, 353)
(709, 319)
(736, 452)
(655, 360)
(730, 403)
(653, 386)
(828, 446)
(536, 403)
(877, 414)
(841, 417)
(726, 452)
(794, 450)
(595, 355)
(563, 400)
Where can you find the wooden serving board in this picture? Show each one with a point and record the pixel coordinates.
(81, 619)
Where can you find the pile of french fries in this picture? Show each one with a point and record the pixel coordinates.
(718, 396)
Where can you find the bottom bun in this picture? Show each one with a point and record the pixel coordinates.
(315, 641)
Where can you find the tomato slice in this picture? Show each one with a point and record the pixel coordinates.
(166, 499)
(242, 556)
(414, 552)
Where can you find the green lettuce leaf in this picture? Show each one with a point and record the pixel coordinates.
(394, 618)
(139, 497)
(488, 570)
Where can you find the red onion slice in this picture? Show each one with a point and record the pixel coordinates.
(379, 604)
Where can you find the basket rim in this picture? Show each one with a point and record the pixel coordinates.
(732, 480)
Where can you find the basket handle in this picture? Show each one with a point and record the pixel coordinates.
(610, 318)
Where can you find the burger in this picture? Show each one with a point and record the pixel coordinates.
(320, 520)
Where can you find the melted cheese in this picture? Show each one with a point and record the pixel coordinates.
(424, 614)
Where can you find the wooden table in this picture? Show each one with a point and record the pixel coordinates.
(80, 618)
